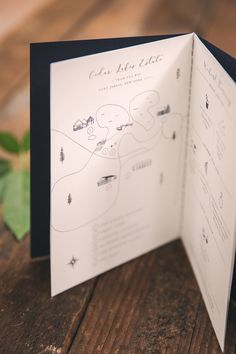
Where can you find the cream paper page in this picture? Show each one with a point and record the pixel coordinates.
(209, 218)
(118, 128)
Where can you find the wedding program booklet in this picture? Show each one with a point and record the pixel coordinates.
(133, 145)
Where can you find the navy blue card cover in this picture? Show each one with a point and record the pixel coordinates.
(41, 56)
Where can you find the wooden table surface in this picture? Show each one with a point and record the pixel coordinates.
(151, 304)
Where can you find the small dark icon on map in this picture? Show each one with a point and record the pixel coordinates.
(207, 102)
(194, 147)
(106, 179)
(62, 155)
(81, 124)
(174, 135)
(221, 200)
(100, 145)
(206, 167)
(164, 110)
(69, 199)
(178, 73)
(161, 178)
(204, 236)
(121, 127)
(73, 261)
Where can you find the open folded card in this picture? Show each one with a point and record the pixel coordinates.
(133, 145)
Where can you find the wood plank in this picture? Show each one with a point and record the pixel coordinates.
(50, 24)
(203, 338)
(222, 28)
(214, 20)
(121, 18)
(11, 17)
(32, 321)
(149, 305)
(178, 16)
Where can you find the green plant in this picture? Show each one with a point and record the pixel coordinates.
(15, 183)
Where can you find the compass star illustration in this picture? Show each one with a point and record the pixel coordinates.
(73, 261)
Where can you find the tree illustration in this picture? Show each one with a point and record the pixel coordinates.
(62, 155)
(161, 178)
(207, 102)
(69, 199)
(178, 73)
(206, 167)
(174, 135)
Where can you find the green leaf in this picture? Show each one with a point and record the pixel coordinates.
(9, 142)
(25, 145)
(5, 167)
(16, 203)
(2, 187)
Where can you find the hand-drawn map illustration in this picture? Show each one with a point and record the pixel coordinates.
(119, 135)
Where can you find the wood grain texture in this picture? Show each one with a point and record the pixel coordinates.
(221, 30)
(180, 16)
(32, 321)
(120, 18)
(49, 24)
(150, 305)
(11, 17)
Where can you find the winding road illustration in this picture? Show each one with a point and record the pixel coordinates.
(97, 151)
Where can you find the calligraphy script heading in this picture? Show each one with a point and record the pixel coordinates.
(126, 67)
